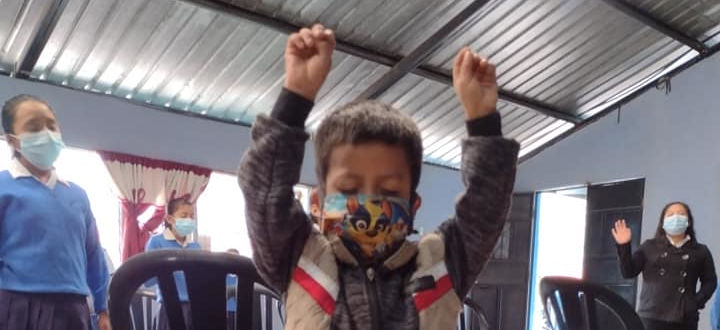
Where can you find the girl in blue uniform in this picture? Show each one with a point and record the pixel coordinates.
(50, 254)
(179, 224)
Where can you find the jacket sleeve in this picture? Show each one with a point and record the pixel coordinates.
(488, 174)
(98, 275)
(708, 280)
(277, 224)
(630, 264)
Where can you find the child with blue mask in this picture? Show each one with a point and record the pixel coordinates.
(672, 263)
(179, 226)
(50, 253)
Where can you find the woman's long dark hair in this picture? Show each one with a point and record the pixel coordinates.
(660, 233)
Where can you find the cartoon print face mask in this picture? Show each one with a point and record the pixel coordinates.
(371, 226)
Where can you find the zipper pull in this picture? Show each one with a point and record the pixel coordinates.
(370, 274)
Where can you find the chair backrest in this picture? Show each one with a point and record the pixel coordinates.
(571, 304)
(142, 307)
(472, 316)
(205, 276)
(268, 310)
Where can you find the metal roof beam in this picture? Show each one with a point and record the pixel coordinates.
(288, 28)
(658, 25)
(39, 41)
(420, 54)
(382, 58)
(625, 100)
(506, 96)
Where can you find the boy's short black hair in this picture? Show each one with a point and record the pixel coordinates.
(10, 108)
(363, 122)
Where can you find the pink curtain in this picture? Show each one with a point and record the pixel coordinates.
(143, 183)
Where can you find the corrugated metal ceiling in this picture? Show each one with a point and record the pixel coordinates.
(574, 55)
(698, 18)
(566, 60)
(394, 26)
(19, 21)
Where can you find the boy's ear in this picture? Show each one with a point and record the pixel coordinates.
(315, 204)
(416, 203)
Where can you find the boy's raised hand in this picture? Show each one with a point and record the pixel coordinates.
(475, 85)
(308, 58)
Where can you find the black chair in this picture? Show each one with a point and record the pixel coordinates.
(267, 308)
(142, 306)
(268, 301)
(472, 316)
(205, 274)
(571, 304)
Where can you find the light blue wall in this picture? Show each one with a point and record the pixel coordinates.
(93, 122)
(671, 140)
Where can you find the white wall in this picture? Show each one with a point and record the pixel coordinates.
(95, 122)
(671, 140)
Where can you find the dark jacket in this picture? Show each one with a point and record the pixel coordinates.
(670, 277)
(380, 296)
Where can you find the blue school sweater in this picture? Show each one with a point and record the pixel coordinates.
(49, 240)
(166, 240)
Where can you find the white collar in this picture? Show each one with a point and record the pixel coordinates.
(18, 170)
(679, 244)
(168, 235)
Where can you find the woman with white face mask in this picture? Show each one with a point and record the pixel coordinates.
(179, 226)
(672, 263)
(50, 254)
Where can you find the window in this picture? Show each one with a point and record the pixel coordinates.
(221, 214)
(302, 194)
(220, 209)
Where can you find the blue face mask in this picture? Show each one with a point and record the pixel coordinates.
(184, 226)
(41, 149)
(675, 224)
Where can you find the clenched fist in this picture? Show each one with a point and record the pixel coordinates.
(308, 58)
(475, 85)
